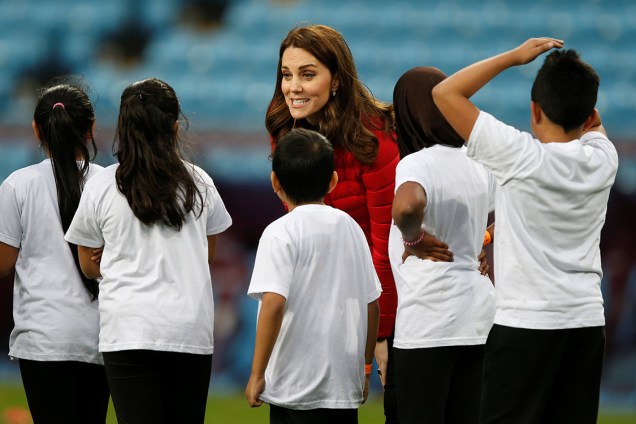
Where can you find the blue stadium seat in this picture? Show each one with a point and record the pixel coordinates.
(15, 155)
(227, 74)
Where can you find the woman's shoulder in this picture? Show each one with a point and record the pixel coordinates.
(388, 153)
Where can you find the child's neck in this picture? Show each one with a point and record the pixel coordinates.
(552, 133)
(291, 205)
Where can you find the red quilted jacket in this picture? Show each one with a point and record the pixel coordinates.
(366, 194)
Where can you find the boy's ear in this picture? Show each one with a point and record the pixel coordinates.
(536, 112)
(275, 182)
(333, 182)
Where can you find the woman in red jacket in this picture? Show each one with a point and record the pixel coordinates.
(317, 87)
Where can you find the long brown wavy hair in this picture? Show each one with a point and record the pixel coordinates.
(348, 118)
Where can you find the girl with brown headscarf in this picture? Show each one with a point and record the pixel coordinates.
(445, 309)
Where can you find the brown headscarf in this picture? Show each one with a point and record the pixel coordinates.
(419, 124)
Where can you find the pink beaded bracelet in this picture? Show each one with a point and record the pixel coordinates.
(414, 242)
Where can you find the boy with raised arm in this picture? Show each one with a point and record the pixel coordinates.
(544, 354)
(318, 291)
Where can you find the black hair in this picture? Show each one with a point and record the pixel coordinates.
(64, 119)
(566, 89)
(303, 162)
(157, 183)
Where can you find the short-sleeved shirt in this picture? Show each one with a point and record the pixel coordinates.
(551, 205)
(156, 290)
(445, 303)
(318, 258)
(55, 319)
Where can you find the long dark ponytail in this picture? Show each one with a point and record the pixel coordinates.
(152, 174)
(64, 119)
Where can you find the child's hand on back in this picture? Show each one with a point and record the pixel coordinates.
(532, 48)
(430, 247)
(97, 255)
(484, 267)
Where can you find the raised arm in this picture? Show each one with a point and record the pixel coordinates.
(452, 95)
(270, 319)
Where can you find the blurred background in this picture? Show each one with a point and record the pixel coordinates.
(221, 56)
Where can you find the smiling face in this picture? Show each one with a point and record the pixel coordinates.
(306, 84)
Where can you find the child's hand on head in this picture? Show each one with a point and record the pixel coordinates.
(532, 48)
(594, 123)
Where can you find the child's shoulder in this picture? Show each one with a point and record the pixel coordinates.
(489, 130)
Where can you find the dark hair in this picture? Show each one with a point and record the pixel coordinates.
(303, 163)
(152, 175)
(566, 88)
(418, 121)
(347, 117)
(64, 119)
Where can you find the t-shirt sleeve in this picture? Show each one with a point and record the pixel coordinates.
(507, 152)
(374, 286)
(10, 225)
(410, 170)
(84, 229)
(219, 219)
(273, 267)
(603, 144)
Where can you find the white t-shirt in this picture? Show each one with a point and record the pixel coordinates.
(55, 319)
(318, 258)
(156, 291)
(551, 205)
(445, 303)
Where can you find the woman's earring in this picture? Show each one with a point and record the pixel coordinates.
(333, 93)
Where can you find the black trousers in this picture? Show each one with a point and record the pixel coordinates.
(542, 376)
(65, 392)
(280, 415)
(439, 385)
(390, 395)
(155, 387)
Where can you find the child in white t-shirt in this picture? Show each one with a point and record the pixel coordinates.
(318, 292)
(544, 354)
(157, 218)
(445, 309)
(54, 305)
